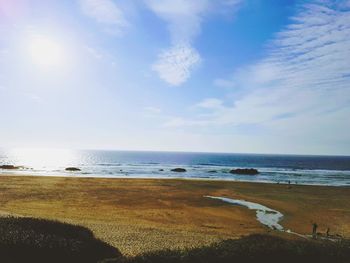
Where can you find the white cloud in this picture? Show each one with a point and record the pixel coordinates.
(302, 87)
(105, 12)
(175, 64)
(184, 19)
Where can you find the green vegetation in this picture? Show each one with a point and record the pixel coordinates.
(36, 240)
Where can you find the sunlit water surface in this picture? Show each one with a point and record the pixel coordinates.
(320, 170)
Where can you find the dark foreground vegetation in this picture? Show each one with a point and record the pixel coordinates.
(34, 240)
(255, 249)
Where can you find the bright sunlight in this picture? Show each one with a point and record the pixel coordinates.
(46, 52)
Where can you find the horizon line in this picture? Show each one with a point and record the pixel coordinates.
(177, 151)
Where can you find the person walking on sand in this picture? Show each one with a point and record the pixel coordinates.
(314, 230)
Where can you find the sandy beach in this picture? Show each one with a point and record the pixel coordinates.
(138, 215)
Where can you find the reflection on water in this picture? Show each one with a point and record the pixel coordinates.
(53, 158)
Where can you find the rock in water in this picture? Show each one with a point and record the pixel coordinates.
(72, 169)
(9, 167)
(179, 170)
(245, 171)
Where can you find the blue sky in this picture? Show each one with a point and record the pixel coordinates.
(224, 76)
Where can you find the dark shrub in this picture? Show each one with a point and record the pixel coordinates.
(37, 240)
(255, 249)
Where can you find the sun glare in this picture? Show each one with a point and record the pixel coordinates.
(46, 52)
(42, 157)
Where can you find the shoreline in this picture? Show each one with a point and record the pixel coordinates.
(140, 215)
(85, 176)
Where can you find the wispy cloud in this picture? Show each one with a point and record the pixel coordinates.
(105, 12)
(184, 19)
(302, 85)
(210, 103)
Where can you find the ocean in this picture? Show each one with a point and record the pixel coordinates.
(296, 169)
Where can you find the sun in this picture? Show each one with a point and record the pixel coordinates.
(46, 51)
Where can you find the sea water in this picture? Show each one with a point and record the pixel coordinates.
(294, 169)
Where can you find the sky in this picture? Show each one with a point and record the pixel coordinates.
(243, 76)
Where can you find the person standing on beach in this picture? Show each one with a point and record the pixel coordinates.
(314, 230)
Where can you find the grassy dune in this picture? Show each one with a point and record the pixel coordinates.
(140, 216)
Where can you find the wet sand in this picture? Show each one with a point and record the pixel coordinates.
(138, 215)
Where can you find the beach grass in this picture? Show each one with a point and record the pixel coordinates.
(143, 215)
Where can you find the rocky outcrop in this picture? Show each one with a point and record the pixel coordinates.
(245, 171)
(9, 167)
(178, 170)
(72, 169)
